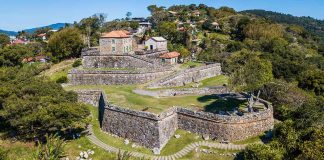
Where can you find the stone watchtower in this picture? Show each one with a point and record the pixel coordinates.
(116, 42)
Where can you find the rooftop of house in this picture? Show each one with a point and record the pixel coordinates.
(41, 35)
(215, 24)
(19, 41)
(158, 39)
(116, 34)
(170, 55)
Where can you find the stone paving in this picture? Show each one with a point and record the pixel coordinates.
(174, 156)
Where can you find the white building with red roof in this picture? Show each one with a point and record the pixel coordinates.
(170, 57)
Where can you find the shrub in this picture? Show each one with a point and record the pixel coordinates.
(3, 154)
(52, 149)
(62, 79)
(77, 63)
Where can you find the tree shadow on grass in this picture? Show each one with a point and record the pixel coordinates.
(221, 102)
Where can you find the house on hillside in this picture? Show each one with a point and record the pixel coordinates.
(116, 42)
(39, 58)
(42, 36)
(19, 41)
(170, 58)
(215, 25)
(172, 13)
(196, 13)
(156, 43)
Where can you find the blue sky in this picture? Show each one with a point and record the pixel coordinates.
(21, 14)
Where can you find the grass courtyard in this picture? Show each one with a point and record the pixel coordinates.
(123, 95)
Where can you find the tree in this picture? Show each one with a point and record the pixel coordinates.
(65, 44)
(169, 31)
(90, 27)
(182, 50)
(313, 147)
(13, 55)
(312, 80)
(261, 152)
(4, 40)
(251, 74)
(285, 97)
(33, 106)
(259, 29)
(128, 15)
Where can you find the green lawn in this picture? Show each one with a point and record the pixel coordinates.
(122, 95)
(27, 150)
(215, 81)
(191, 64)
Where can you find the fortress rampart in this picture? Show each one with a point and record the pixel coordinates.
(112, 77)
(154, 130)
(188, 76)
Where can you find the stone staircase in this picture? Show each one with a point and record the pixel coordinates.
(186, 150)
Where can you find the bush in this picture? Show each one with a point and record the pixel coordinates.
(62, 79)
(77, 63)
(261, 151)
(52, 149)
(34, 106)
(3, 154)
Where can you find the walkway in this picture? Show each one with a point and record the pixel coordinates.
(175, 156)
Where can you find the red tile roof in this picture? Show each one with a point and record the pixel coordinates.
(19, 41)
(41, 35)
(170, 55)
(28, 59)
(116, 34)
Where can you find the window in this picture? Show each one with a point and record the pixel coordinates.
(113, 49)
(113, 41)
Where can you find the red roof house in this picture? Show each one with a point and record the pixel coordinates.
(170, 58)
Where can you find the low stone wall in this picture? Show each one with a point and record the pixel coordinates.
(224, 127)
(183, 91)
(188, 76)
(89, 96)
(154, 131)
(113, 77)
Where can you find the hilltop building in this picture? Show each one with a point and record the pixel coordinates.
(170, 58)
(116, 42)
(156, 43)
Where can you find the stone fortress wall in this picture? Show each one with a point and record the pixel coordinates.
(96, 59)
(154, 131)
(188, 76)
(134, 69)
(113, 77)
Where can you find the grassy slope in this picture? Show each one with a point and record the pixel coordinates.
(27, 150)
(58, 70)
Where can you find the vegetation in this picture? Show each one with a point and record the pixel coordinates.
(33, 106)
(4, 40)
(124, 96)
(66, 43)
(52, 149)
(77, 63)
(312, 25)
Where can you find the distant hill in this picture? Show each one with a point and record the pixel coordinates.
(55, 26)
(10, 33)
(312, 25)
